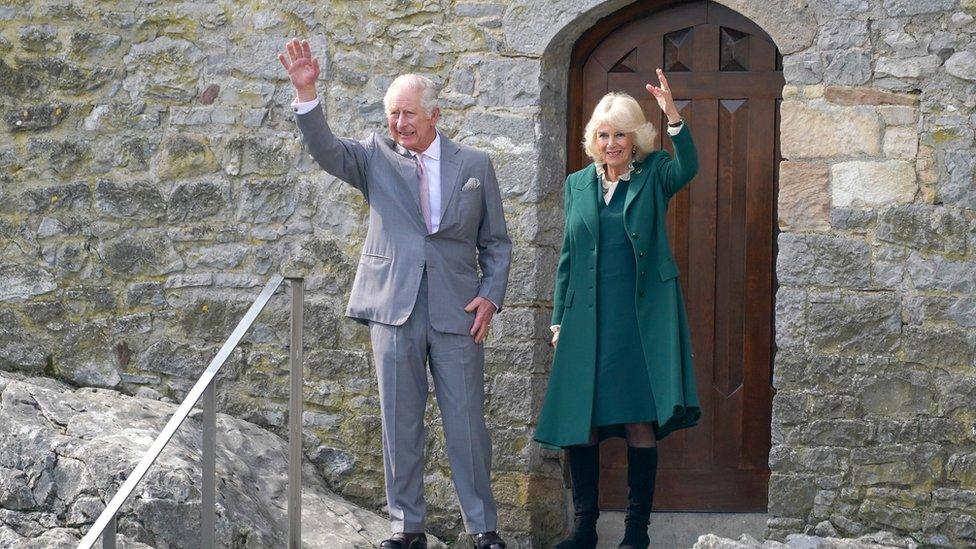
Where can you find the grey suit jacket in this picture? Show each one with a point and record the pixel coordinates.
(472, 230)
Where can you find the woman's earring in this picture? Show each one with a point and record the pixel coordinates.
(633, 151)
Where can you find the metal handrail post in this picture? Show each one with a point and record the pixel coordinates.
(108, 538)
(296, 357)
(208, 493)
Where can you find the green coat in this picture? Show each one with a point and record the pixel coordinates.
(566, 414)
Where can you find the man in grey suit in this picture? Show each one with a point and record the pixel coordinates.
(435, 216)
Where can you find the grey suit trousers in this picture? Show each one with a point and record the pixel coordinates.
(457, 368)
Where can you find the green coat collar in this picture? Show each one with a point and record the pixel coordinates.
(588, 194)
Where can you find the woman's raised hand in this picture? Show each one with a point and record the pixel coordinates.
(303, 69)
(663, 96)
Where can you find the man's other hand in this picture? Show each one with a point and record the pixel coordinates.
(483, 310)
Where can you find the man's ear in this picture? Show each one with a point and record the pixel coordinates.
(435, 116)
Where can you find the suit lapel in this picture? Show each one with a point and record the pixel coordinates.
(637, 181)
(587, 191)
(450, 168)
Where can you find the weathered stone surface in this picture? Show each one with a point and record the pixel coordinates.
(55, 73)
(791, 495)
(849, 96)
(259, 155)
(899, 8)
(790, 317)
(803, 68)
(872, 184)
(822, 540)
(197, 200)
(924, 228)
(149, 253)
(860, 323)
(962, 469)
(849, 67)
(65, 157)
(888, 267)
(842, 34)
(898, 465)
(268, 201)
(37, 117)
(958, 185)
(962, 64)
(163, 68)
(185, 155)
(856, 220)
(898, 115)
(900, 143)
(24, 282)
(65, 451)
(941, 274)
(896, 397)
(914, 67)
(814, 130)
(141, 199)
(943, 347)
(804, 196)
(807, 259)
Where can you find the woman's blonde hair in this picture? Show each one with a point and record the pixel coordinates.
(623, 113)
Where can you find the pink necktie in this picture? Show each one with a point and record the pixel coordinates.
(424, 191)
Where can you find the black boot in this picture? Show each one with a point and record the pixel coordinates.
(584, 469)
(641, 470)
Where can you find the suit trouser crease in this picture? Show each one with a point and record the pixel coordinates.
(457, 366)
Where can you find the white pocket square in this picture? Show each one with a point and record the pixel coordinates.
(472, 183)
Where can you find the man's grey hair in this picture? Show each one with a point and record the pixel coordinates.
(426, 87)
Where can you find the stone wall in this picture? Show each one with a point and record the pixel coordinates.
(876, 314)
(151, 181)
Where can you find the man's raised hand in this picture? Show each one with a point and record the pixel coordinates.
(303, 69)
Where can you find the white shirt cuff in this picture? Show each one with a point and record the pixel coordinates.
(674, 130)
(493, 303)
(302, 107)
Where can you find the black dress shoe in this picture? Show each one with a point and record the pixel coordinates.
(488, 540)
(402, 540)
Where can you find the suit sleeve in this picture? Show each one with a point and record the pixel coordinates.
(494, 245)
(675, 173)
(562, 269)
(342, 157)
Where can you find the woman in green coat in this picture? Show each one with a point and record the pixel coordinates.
(623, 363)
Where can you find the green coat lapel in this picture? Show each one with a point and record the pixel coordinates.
(637, 180)
(587, 207)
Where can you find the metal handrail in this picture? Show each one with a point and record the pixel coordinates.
(204, 388)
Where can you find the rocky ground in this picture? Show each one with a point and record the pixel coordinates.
(65, 451)
(880, 540)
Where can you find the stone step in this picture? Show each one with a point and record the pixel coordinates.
(681, 530)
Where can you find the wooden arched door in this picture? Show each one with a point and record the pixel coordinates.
(726, 76)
